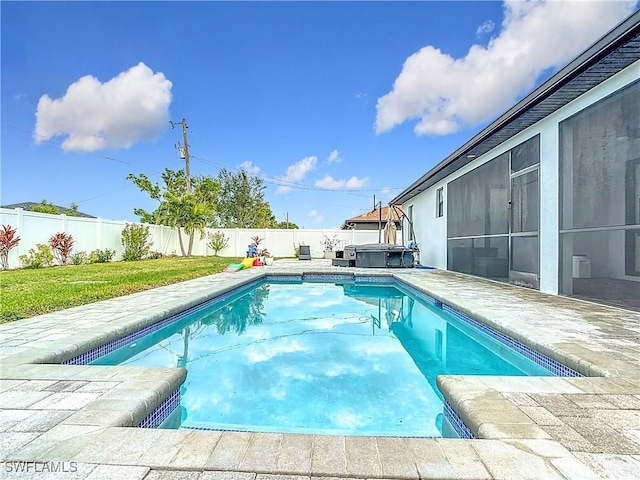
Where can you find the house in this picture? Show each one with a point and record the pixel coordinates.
(373, 220)
(548, 195)
(29, 207)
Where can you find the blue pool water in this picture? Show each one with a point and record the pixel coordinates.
(320, 358)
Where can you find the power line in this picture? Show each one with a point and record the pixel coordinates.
(122, 188)
(286, 183)
(184, 153)
(32, 135)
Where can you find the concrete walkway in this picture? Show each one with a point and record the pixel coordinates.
(64, 421)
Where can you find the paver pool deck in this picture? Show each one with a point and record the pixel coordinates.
(525, 427)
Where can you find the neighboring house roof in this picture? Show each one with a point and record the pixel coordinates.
(612, 53)
(29, 207)
(374, 217)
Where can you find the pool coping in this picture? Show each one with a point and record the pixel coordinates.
(488, 405)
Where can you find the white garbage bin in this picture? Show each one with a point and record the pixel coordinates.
(581, 266)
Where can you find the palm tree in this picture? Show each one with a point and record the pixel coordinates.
(196, 217)
(187, 211)
(191, 211)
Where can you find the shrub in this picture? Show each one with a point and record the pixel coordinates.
(217, 241)
(101, 256)
(79, 258)
(8, 240)
(329, 243)
(40, 257)
(135, 239)
(61, 245)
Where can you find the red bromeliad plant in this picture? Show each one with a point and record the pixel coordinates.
(255, 241)
(61, 244)
(8, 240)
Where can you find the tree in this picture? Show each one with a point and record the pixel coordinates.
(217, 241)
(46, 207)
(192, 211)
(187, 211)
(72, 211)
(286, 225)
(241, 203)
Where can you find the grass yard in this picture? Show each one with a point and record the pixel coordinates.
(29, 292)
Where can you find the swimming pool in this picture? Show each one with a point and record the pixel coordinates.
(339, 358)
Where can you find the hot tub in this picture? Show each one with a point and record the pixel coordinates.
(375, 255)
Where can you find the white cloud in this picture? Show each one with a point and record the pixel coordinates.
(130, 107)
(355, 182)
(297, 172)
(317, 218)
(329, 182)
(334, 157)
(250, 168)
(446, 93)
(486, 27)
(387, 193)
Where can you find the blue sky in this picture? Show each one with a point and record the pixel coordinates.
(330, 103)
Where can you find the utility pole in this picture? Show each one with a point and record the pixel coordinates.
(184, 151)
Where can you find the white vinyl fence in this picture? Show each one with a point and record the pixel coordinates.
(97, 233)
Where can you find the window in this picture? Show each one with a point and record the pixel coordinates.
(439, 202)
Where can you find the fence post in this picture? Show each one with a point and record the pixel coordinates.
(237, 235)
(99, 233)
(20, 230)
(266, 237)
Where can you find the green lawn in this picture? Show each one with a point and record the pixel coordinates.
(30, 292)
